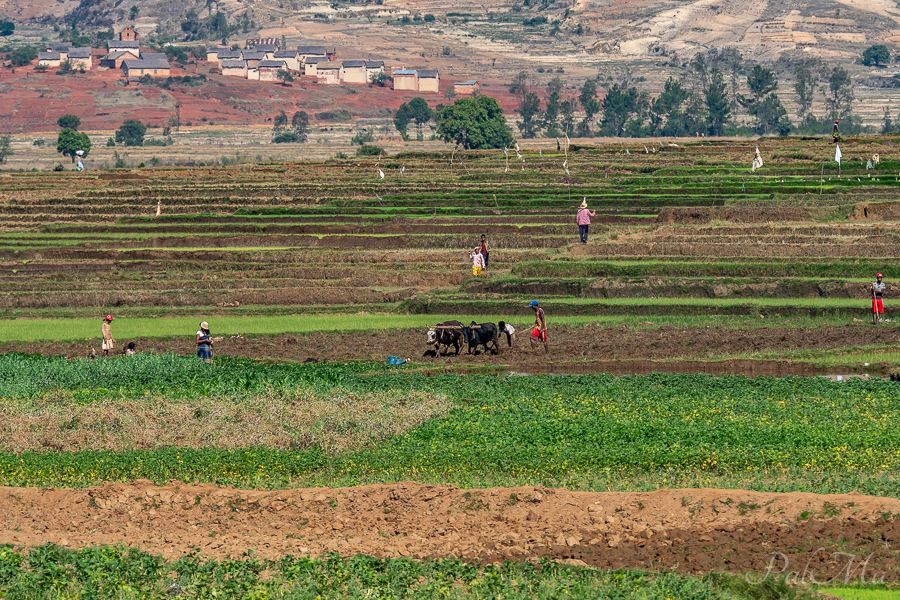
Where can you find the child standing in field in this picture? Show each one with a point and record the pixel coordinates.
(485, 250)
(477, 261)
(108, 343)
(204, 344)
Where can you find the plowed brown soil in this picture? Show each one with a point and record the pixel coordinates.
(592, 348)
(689, 530)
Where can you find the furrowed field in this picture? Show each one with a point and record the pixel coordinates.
(678, 434)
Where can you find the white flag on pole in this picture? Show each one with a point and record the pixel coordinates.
(381, 173)
(837, 154)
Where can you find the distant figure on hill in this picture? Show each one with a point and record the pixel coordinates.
(540, 326)
(583, 219)
(485, 250)
(877, 299)
(835, 134)
(204, 343)
(109, 342)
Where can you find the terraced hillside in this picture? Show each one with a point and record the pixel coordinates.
(681, 232)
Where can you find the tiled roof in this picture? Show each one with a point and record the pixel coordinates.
(48, 56)
(79, 52)
(233, 64)
(272, 64)
(312, 50)
(146, 64)
(119, 44)
(229, 55)
(285, 54)
(354, 64)
(428, 74)
(374, 64)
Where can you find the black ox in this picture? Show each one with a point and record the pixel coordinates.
(438, 338)
(481, 335)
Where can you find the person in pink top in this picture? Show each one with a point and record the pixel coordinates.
(584, 221)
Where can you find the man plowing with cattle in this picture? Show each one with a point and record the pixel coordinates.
(539, 333)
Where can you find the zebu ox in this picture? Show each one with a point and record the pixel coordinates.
(482, 335)
(444, 335)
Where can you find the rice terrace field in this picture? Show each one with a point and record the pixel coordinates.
(716, 418)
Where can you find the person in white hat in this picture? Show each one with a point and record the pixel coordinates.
(204, 344)
(584, 221)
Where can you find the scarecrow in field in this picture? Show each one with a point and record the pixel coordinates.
(540, 326)
(204, 343)
(877, 299)
(109, 342)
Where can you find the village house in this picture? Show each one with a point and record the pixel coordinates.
(49, 59)
(253, 58)
(79, 58)
(310, 65)
(268, 69)
(234, 68)
(212, 54)
(252, 73)
(230, 55)
(307, 52)
(139, 68)
(466, 88)
(114, 60)
(329, 73)
(429, 81)
(291, 57)
(267, 50)
(406, 79)
(113, 45)
(373, 69)
(354, 71)
(129, 34)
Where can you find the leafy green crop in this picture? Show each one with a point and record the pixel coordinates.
(588, 431)
(126, 573)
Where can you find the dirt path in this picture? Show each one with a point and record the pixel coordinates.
(592, 348)
(691, 530)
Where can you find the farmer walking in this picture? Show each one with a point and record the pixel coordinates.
(477, 261)
(584, 221)
(877, 299)
(539, 332)
(204, 344)
(109, 342)
(485, 250)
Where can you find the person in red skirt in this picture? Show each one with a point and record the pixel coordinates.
(877, 299)
(539, 332)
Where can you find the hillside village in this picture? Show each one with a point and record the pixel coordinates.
(260, 60)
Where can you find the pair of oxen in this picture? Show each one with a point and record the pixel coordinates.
(454, 333)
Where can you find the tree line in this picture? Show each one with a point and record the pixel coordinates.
(705, 99)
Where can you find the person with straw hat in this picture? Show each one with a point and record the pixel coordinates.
(583, 219)
(204, 344)
(109, 342)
